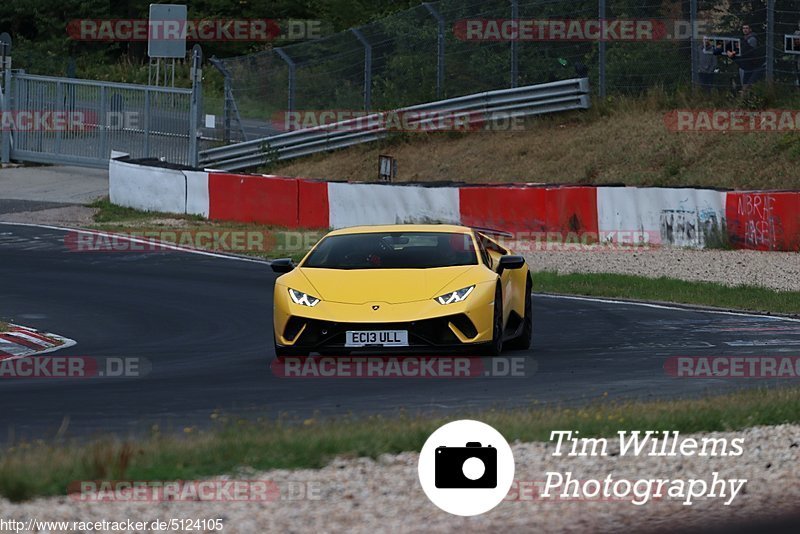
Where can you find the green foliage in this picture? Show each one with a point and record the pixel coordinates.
(43, 46)
(752, 298)
(789, 144)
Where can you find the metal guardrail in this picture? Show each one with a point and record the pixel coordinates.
(492, 105)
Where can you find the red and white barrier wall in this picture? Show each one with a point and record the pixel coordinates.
(669, 216)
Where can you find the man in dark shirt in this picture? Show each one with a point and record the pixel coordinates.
(750, 59)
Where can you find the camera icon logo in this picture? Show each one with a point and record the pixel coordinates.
(472, 466)
(466, 467)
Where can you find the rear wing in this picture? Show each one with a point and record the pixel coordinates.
(492, 231)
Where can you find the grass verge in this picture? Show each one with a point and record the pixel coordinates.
(751, 298)
(112, 213)
(38, 469)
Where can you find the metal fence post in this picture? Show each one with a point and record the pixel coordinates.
(59, 104)
(196, 104)
(694, 51)
(770, 40)
(601, 54)
(5, 95)
(147, 121)
(292, 75)
(515, 45)
(367, 68)
(440, 34)
(227, 88)
(104, 151)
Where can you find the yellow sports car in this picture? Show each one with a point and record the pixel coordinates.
(401, 288)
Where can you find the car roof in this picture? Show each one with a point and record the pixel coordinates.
(447, 228)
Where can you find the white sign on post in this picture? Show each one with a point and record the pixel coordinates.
(387, 168)
(166, 36)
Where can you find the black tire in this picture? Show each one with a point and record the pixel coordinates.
(495, 348)
(523, 341)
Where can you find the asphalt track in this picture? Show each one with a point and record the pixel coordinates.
(204, 325)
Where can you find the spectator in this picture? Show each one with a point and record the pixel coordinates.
(797, 57)
(707, 64)
(749, 59)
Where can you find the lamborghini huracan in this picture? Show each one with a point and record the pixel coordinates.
(403, 288)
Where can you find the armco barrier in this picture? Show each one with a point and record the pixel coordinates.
(680, 217)
(527, 101)
(764, 220)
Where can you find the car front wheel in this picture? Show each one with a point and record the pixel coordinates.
(496, 346)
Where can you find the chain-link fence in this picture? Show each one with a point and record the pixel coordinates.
(451, 48)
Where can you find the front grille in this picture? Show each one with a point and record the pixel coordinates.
(427, 332)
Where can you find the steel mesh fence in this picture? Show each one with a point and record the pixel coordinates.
(423, 54)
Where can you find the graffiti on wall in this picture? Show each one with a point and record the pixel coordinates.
(761, 225)
(689, 228)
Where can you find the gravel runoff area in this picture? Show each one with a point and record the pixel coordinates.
(774, 270)
(362, 495)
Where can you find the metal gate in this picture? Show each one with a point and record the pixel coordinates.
(79, 122)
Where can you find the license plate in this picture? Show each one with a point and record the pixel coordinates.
(384, 338)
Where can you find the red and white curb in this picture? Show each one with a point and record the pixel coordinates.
(20, 342)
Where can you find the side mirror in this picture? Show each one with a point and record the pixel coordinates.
(510, 262)
(283, 265)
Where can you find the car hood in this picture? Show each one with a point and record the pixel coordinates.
(393, 286)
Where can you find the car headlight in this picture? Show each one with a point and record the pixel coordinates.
(303, 299)
(455, 296)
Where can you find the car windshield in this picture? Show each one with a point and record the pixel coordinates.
(393, 250)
